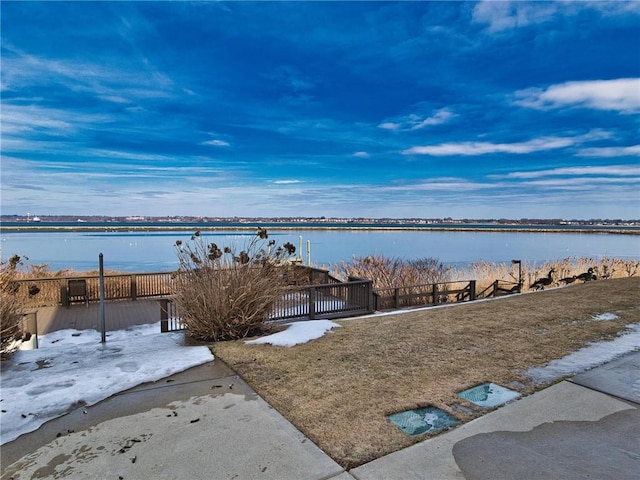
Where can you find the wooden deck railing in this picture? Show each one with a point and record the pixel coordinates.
(425, 294)
(311, 302)
(351, 298)
(130, 286)
(55, 291)
(305, 298)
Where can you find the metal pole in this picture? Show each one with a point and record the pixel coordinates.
(300, 249)
(309, 253)
(102, 322)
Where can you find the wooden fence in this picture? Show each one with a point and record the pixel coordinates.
(500, 288)
(64, 290)
(425, 294)
(351, 298)
(311, 302)
(313, 293)
(40, 292)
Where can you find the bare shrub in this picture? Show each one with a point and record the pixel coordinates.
(388, 272)
(11, 307)
(222, 294)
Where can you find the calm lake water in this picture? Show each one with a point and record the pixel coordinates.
(139, 251)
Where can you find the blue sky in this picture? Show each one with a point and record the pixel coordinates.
(347, 109)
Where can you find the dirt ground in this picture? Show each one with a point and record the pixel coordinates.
(339, 389)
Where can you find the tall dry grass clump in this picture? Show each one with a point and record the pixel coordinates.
(11, 306)
(565, 271)
(223, 294)
(390, 272)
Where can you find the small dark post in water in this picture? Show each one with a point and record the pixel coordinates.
(519, 263)
(102, 323)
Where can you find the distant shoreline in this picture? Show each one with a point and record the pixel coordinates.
(123, 227)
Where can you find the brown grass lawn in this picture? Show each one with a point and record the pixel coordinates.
(338, 389)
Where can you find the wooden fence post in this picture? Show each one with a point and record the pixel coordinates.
(434, 293)
(371, 302)
(134, 287)
(64, 299)
(164, 315)
(396, 298)
(472, 290)
(312, 303)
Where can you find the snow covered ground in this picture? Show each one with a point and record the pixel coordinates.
(72, 368)
(590, 356)
(296, 333)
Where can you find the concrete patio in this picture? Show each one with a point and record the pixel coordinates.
(119, 315)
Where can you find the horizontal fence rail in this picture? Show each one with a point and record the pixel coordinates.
(312, 293)
(499, 288)
(37, 292)
(299, 303)
(325, 301)
(425, 294)
(66, 290)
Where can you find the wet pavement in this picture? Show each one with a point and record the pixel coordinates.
(206, 423)
(565, 431)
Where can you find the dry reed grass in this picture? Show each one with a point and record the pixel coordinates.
(390, 272)
(339, 389)
(485, 273)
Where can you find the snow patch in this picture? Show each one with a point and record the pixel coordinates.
(297, 333)
(73, 368)
(605, 317)
(588, 357)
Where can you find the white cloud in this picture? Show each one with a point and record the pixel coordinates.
(286, 182)
(361, 155)
(580, 182)
(622, 95)
(216, 143)
(145, 157)
(416, 121)
(440, 184)
(617, 170)
(506, 15)
(441, 116)
(633, 150)
(484, 148)
(389, 126)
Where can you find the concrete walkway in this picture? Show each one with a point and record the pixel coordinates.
(206, 423)
(119, 315)
(577, 429)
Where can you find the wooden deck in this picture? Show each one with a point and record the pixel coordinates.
(119, 315)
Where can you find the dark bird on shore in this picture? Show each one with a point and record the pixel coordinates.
(568, 280)
(587, 276)
(543, 282)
